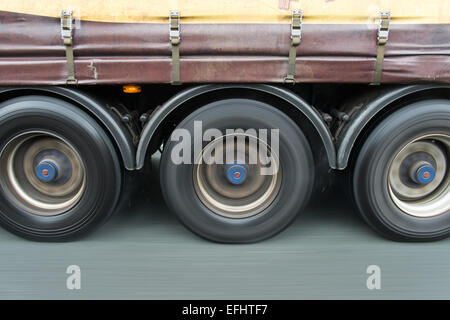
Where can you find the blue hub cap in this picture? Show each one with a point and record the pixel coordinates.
(47, 171)
(425, 174)
(236, 172)
(422, 172)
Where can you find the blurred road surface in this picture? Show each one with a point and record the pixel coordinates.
(144, 253)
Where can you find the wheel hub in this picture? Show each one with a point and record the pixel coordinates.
(236, 173)
(419, 179)
(238, 189)
(44, 174)
(47, 171)
(422, 173)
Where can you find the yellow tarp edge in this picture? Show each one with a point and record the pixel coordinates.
(237, 11)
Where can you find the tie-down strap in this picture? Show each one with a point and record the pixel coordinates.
(67, 27)
(382, 38)
(174, 36)
(296, 38)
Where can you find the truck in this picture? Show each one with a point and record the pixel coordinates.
(254, 105)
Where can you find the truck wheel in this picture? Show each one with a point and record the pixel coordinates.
(238, 201)
(401, 178)
(60, 175)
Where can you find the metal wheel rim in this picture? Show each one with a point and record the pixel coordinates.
(25, 190)
(254, 199)
(434, 198)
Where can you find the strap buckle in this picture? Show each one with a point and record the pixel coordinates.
(296, 26)
(174, 23)
(289, 79)
(383, 28)
(66, 25)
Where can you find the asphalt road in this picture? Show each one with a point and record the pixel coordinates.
(144, 253)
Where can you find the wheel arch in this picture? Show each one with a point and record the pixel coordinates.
(162, 114)
(98, 110)
(375, 107)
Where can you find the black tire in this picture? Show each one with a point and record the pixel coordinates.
(296, 161)
(371, 172)
(102, 169)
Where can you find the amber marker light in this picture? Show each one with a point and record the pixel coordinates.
(131, 88)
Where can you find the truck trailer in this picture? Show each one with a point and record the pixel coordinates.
(254, 106)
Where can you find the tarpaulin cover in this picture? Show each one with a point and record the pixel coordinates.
(224, 41)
